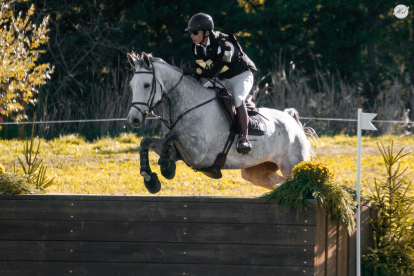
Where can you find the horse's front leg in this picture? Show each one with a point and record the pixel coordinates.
(151, 180)
(164, 148)
(166, 161)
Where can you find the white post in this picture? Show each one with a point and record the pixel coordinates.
(364, 122)
(358, 195)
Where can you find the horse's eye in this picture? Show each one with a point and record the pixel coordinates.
(146, 85)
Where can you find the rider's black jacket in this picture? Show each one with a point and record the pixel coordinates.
(224, 64)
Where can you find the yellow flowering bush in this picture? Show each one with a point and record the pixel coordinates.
(2, 169)
(21, 73)
(315, 180)
(313, 171)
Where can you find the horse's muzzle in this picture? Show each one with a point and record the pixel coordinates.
(135, 122)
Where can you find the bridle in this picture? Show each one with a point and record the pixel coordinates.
(170, 125)
(150, 101)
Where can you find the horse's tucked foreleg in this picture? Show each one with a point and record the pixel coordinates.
(144, 159)
(150, 179)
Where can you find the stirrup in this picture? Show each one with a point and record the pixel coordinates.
(243, 145)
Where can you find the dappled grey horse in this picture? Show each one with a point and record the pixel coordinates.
(195, 129)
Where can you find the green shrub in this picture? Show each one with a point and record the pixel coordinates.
(14, 184)
(393, 228)
(34, 179)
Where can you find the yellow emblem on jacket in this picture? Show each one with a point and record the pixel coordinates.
(209, 64)
(199, 71)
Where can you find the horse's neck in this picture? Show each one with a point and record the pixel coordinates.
(187, 93)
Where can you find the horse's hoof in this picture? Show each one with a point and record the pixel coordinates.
(153, 185)
(169, 172)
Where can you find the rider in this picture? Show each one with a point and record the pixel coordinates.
(219, 55)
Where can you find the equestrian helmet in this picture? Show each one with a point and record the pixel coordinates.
(200, 21)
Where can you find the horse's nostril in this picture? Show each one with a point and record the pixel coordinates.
(136, 121)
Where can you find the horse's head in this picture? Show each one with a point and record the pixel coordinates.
(145, 90)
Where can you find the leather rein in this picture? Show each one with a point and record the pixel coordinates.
(149, 104)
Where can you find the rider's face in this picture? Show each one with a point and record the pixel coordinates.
(197, 38)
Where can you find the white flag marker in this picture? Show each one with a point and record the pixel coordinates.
(364, 122)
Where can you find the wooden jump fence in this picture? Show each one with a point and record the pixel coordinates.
(138, 235)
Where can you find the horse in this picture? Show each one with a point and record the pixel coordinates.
(195, 129)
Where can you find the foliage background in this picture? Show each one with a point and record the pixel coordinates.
(328, 45)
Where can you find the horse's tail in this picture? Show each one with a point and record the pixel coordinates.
(309, 132)
(294, 113)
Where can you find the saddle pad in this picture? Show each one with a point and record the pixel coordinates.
(257, 125)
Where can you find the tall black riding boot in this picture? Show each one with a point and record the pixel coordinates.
(243, 145)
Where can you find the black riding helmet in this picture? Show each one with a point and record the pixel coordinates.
(200, 21)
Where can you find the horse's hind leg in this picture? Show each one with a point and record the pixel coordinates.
(264, 175)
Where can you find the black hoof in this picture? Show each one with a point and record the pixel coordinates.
(168, 171)
(153, 185)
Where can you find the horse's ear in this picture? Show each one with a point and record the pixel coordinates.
(133, 59)
(146, 59)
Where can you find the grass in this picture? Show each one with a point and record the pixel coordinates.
(111, 166)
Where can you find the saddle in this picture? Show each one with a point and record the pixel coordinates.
(257, 127)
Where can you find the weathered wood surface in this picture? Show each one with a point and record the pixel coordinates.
(140, 210)
(143, 269)
(129, 252)
(335, 250)
(138, 235)
(157, 231)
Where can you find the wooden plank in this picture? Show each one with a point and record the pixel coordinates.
(352, 252)
(181, 199)
(331, 246)
(115, 269)
(153, 211)
(342, 251)
(320, 256)
(366, 236)
(180, 253)
(91, 197)
(157, 232)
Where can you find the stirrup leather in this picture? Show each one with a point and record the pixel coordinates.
(243, 145)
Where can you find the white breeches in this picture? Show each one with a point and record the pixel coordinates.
(239, 86)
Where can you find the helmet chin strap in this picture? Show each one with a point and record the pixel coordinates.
(204, 35)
